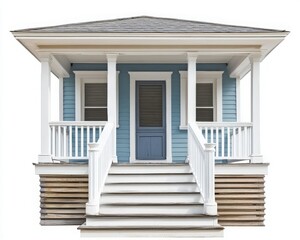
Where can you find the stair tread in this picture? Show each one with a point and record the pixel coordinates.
(185, 215)
(165, 193)
(153, 204)
(216, 227)
(149, 173)
(148, 183)
(148, 164)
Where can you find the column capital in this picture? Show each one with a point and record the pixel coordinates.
(192, 56)
(255, 57)
(112, 57)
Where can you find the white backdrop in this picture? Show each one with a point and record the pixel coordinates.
(20, 106)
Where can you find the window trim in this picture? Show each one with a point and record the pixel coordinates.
(83, 77)
(214, 77)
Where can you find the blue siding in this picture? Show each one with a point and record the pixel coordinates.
(179, 137)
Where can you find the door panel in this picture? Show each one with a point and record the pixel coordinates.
(150, 120)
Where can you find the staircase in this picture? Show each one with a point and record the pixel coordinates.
(151, 200)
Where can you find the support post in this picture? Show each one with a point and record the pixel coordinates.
(112, 96)
(256, 156)
(191, 90)
(93, 204)
(210, 204)
(45, 154)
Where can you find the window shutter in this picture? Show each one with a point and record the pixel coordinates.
(204, 102)
(95, 102)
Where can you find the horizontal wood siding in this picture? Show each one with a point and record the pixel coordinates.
(241, 200)
(179, 137)
(63, 199)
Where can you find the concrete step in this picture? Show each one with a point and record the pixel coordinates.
(150, 220)
(150, 178)
(149, 168)
(144, 198)
(151, 187)
(159, 209)
(153, 231)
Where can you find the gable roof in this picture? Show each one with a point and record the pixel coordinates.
(147, 24)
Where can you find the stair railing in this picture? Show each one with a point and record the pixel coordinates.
(202, 162)
(101, 156)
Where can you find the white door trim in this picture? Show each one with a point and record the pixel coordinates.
(150, 76)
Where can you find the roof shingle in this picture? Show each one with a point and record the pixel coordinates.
(146, 24)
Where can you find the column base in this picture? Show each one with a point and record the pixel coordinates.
(44, 158)
(211, 208)
(256, 159)
(92, 208)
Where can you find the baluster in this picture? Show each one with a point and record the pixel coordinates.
(65, 141)
(240, 141)
(82, 146)
(76, 141)
(234, 144)
(59, 142)
(53, 129)
(100, 130)
(211, 135)
(206, 134)
(222, 142)
(87, 140)
(217, 142)
(70, 141)
(228, 142)
(94, 134)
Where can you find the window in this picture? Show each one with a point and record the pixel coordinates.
(204, 102)
(208, 97)
(91, 96)
(95, 102)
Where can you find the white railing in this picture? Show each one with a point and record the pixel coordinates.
(101, 157)
(70, 139)
(202, 162)
(232, 139)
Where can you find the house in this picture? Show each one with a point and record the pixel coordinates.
(149, 140)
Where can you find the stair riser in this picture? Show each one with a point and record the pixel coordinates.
(149, 169)
(150, 222)
(123, 188)
(152, 233)
(105, 209)
(151, 198)
(149, 178)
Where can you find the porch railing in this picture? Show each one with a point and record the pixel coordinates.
(201, 160)
(232, 139)
(101, 156)
(70, 139)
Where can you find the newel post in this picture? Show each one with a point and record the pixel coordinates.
(210, 204)
(92, 206)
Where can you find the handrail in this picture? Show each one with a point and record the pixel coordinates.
(202, 162)
(78, 123)
(224, 124)
(101, 157)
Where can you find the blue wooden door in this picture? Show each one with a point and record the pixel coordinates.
(150, 120)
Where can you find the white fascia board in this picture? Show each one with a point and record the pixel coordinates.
(61, 169)
(242, 169)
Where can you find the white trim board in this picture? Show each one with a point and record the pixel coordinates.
(150, 76)
(214, 77)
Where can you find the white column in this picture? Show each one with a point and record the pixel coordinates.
(45, 155)
(61, 99)
(112, 95)
(256, 156)
(191, 88)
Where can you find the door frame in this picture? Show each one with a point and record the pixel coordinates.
(150, 76)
